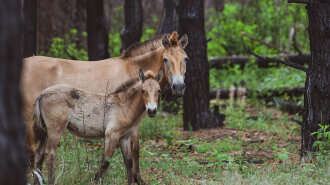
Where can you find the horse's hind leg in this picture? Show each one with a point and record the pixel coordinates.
(110, 145)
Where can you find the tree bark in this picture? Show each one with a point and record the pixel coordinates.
(132, 31)
(196, 109)
(29, 28)
(97, 31)
(317, 96)
(169, 21)
(13, 161)
(219, 5)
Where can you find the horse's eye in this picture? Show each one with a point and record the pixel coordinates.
(142, 91)
(158, 91)
(165, 59)
(186, 59)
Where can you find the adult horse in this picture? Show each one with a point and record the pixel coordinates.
(162, 52)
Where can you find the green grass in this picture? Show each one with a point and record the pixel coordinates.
(191, 158)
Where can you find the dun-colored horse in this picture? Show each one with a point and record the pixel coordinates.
(113, 116)
(165, 52)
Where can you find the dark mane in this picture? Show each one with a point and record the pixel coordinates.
(123, 87)
(140, 48)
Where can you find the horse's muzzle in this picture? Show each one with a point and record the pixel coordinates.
(178, 89)
(152, 112)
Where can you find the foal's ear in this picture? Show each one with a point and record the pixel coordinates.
(184, 41)
(141, 75)
(166, 41)
(159, 75)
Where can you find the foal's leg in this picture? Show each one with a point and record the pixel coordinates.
(135, 148)
(40, 155)
(50, 155)
(111, 142)
(126, 151)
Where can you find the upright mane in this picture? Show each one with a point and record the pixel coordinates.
(124, 86)
(140, 48)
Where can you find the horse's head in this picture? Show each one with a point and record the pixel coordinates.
(175, 60)
(150, 90)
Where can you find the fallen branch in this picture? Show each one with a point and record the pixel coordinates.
(298, 1)
(261, 94)
(220, 62)
(286, 62)
(290, 107)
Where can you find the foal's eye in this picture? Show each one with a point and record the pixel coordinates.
(165, 60)
(142, 91)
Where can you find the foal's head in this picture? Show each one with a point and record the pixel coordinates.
(150, 90)
(175, 60)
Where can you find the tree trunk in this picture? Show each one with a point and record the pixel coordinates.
(317, 96)
(168, 24)
(132, 31)
(169, 21)
(13, 161)
(29, 28)
(196, 109)
(97, 31)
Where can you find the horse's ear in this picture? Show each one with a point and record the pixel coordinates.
(159, 75)
(184, 41)
(141, 75)
(166, 41)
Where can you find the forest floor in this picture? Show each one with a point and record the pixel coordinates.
(258, 145)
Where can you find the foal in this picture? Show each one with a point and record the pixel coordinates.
(112, 116)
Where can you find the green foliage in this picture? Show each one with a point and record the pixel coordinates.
(267, 20)
(323, 143)
(67, 47)
(114, 44)
(283, 155)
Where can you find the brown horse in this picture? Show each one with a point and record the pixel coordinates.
(113, 116)
(165, 52)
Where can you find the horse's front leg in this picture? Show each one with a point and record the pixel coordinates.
(135, 147)
(111, 142)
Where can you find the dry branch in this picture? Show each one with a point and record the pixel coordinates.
(290, 107)
(285, 62)
(220, 62)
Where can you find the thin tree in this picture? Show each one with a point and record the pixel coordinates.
(29, 28)
(97, 31)
(13, 161)
(132, 31)
(169, 21)
(196, 102)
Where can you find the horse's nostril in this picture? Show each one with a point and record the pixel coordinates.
(183, 86)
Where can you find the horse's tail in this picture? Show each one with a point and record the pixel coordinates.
(39, 127)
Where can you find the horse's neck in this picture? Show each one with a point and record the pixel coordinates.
(134, 104)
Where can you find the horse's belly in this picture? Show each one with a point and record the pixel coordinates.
(86, 126)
